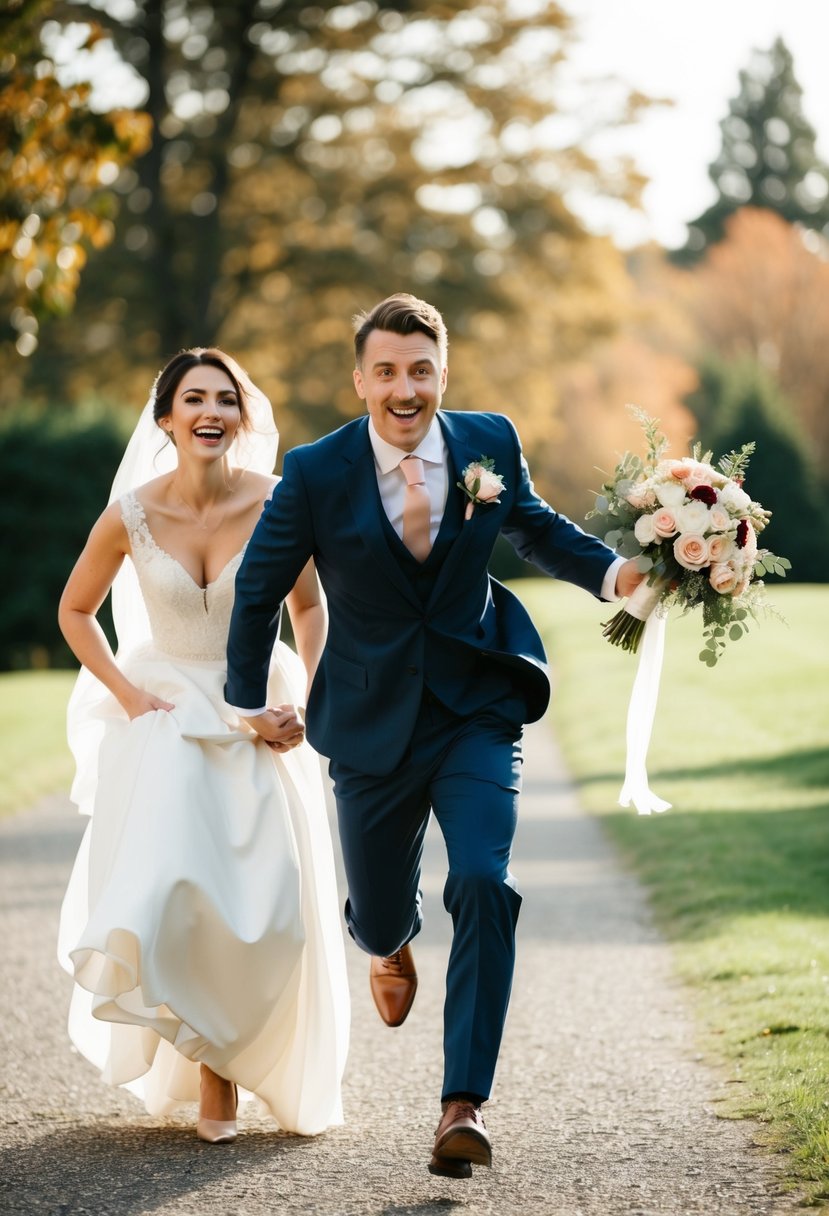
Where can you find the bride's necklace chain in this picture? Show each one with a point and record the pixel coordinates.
(203, 522)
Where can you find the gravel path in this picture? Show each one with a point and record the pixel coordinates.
(601, 1107)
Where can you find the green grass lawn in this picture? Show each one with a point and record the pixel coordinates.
(34, 756)
(738, 870)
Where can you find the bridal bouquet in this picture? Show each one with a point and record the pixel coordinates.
(693, 528)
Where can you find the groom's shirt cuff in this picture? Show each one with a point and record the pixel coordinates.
(609, 581)
(249, 713)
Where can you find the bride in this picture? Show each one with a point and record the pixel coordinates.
(200, 922)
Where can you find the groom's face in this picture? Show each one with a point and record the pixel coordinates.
(401, 380)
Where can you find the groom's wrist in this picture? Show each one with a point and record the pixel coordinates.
(249, 713)
(609, 591)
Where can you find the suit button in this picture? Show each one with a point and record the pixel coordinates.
(412, 671)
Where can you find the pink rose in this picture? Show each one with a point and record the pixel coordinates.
(490, 487)
(691, 551)
(664, 523)
(720, 548)
(490, 484)
(723, 578)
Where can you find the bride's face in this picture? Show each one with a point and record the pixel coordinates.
(206, 413)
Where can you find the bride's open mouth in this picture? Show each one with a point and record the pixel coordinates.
(209, 434)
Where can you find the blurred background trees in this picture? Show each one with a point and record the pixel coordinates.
(768, 156)
(57, 156)
(281, 165)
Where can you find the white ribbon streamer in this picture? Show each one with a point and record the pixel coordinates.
(641, 713)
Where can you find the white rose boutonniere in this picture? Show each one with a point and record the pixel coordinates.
(481, 484)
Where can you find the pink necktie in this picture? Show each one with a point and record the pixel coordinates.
(417, 509)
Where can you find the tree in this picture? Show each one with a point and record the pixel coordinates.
(737, 402)
(767, 158)
(762, 293)
(295, 176)
(55, 468)
(56, 159)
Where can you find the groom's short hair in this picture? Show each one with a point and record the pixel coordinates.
(401, 314)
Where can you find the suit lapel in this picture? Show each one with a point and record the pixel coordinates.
(364, 496)
(460, 455)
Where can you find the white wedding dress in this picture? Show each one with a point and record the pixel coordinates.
(201, 921)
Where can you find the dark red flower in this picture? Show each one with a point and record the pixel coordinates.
(742, 533)
(706, 494)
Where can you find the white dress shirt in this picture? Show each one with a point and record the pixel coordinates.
(392, 485)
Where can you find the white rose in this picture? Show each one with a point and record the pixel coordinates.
(641, 496)
(719, 519)
(735, 499)
(692, 517)
(671, 494)
(643, 529)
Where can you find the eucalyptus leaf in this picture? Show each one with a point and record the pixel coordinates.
(629, 546)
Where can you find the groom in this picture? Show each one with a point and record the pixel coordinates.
(429, 671)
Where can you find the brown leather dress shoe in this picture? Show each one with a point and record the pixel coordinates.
(461, 1140)
(445, 1167)
(393, 984)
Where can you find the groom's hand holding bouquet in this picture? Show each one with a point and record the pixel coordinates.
(692, 530)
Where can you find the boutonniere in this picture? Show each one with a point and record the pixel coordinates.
(481, 484)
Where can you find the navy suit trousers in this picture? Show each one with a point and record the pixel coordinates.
(467, 771)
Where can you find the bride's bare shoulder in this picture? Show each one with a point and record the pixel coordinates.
(153, 493)
(256, 486)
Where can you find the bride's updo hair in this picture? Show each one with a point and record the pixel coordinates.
(170, 377)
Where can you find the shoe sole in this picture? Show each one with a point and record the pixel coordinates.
(445, 1167)
(465, 1145)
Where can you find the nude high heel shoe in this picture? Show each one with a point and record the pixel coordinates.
(217, 1131)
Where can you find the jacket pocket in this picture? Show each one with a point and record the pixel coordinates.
(343, 669)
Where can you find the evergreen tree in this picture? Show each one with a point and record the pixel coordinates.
(738, 402)
(56, 468)
(768, 157)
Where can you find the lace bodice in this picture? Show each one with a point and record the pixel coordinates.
(187, 621)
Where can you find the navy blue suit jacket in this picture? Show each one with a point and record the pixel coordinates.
(470, 641)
